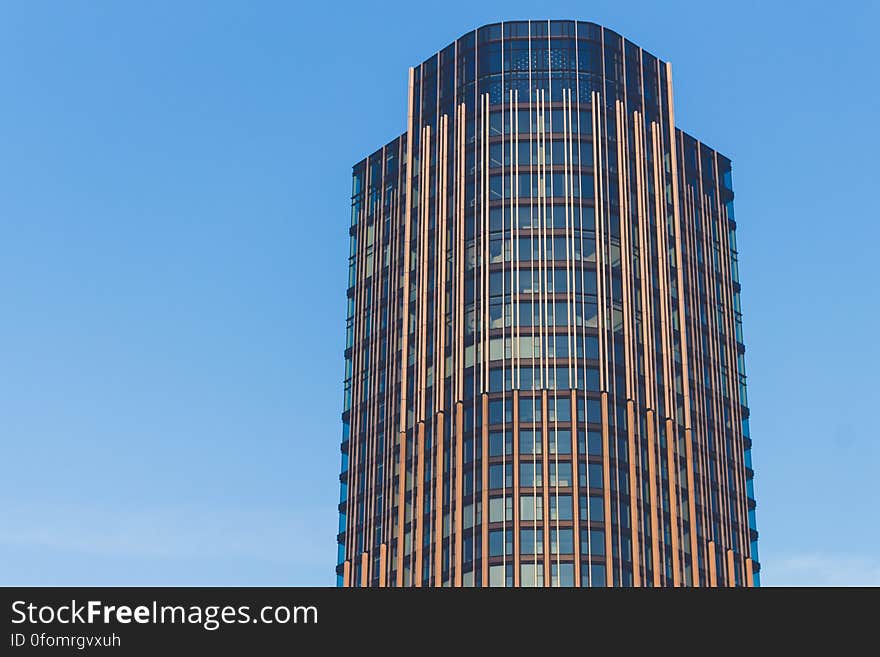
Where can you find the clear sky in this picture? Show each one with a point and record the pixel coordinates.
(174, 203)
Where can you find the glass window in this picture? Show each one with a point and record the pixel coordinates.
(560, 507)
(500, 509)
(496, 123)
(593, 541)
(531, 574)
(499, 314)
(529, 281)
(496, 220)
(531, 541)
(593, 379)
(557, 315)
(594, 411)
(597, 575)
(496, 153)
(496, 380)
(499, 250)
(597, 508)
(586, 151)
(500, 475)
(531, 507)
(525, 216)
(500, 542)
(560, 474)
(562, 574)
(558, 346)
(496, 543)
(530, 409)
(499, 411)
(496, 187)
(530, 441)
(559, 152)
(526, 153)
(559, 409)
(562, 541)
(527, 249)
(500, 442)
(560, 442)
(531, 474)
(496, 283)
(496, 576)
(594, 443)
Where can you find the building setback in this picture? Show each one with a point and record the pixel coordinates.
(544, 362)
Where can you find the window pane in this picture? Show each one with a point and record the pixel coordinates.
(530, 442)
(531, 508)
(531, 474)
(531, 541)
(560, 507)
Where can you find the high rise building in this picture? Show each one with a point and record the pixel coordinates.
(544, 378)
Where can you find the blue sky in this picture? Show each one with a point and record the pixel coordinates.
(174, 181)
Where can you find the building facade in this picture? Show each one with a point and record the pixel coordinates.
(544, 362)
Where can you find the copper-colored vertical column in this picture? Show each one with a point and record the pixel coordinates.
(419, 511)
(459, 490)
(648, 356)
(365, 569)
(575, 488)
(484, 490)
(421, 358)
(633, 494)
(514, 224)
(458, 352)
(546, 481)
(750, 573)
(460, 261)
(658, 318)
(666, 350)
(404, 347)
(648, 348)
(606, 469)
(346, 573)
(573, 369)
(695, 444)
(439, 478)
(718, 430)
(701, 356)
(439, 338)
(713, 574)
(626, 258)
(568, 143)
(692, 508)
(383, 565)
(515, 492)
(672, 471)
(392, 300)
(656, 528)
(685, 354)
(401, 505)
(484, 236)
(731, 571)
(370, 316)
(421, 365)
(596, 118)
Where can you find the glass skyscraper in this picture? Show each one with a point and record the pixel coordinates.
(544, 361)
